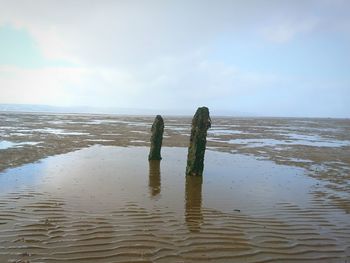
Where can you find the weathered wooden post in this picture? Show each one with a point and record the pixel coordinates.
(195, 159)
(156, 138)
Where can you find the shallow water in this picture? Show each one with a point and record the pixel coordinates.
(223, 132)
(245, 209)
(295, 139)
(8, 144)
(109, 204)
(57, 131)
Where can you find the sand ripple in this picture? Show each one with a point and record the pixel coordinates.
(96, 205)
(39, 227)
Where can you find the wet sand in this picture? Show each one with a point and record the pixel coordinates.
(273, 190)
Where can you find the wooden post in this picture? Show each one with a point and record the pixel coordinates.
(156, 138)
(195, 159)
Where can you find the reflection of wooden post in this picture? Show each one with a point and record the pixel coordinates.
(195, 159)
(154, 177)
(193, 203)
(156, 138)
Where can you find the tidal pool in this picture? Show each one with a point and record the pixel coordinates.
(109, 204)
(8, 144)
(223, 132)
(295, 140)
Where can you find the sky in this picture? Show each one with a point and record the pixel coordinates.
(249, 57)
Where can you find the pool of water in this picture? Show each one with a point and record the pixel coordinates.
(59, 131)
(8, 144)
(223, 132)
(109, 204)
(243, 182)
(294, 140)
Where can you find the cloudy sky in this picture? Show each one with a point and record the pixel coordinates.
(272, 57)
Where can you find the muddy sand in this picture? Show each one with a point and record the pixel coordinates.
(79, 188)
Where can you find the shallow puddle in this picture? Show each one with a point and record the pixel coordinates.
(294, 140)
(58, 131)
(109, 204)
(8, 144)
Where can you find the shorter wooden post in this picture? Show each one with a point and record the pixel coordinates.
(156, 138)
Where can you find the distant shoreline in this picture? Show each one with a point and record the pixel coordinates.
(167, 115)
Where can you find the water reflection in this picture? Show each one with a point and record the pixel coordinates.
(70, 214)
(154, 177)
(193, 203)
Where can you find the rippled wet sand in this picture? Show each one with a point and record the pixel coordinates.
(274, 190)
(109, 204)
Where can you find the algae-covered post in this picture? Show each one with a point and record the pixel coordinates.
(200, 124)
(156, 138)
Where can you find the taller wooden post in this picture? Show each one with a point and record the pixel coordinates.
(195, 159)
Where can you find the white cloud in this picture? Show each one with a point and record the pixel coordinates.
(154, 53)
(164, 82)
(41, 86)
(109, 32)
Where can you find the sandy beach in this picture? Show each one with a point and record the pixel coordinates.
(79, 188)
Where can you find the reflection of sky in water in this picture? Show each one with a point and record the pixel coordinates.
(247, 183)
(7, 144)
(58, 131)
(16, 178)
(226, 125)
(100, 177)
(99, 140)
(46, 130)
(177, 128)
(130, 123)
(19, 134)
(106, 121)
(297, 160)
(290, 138)
(223, 132)
(296, 140)
(58, 122)
(311, 129)
(141, 124)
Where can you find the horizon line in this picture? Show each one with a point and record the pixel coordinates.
(89, 110)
